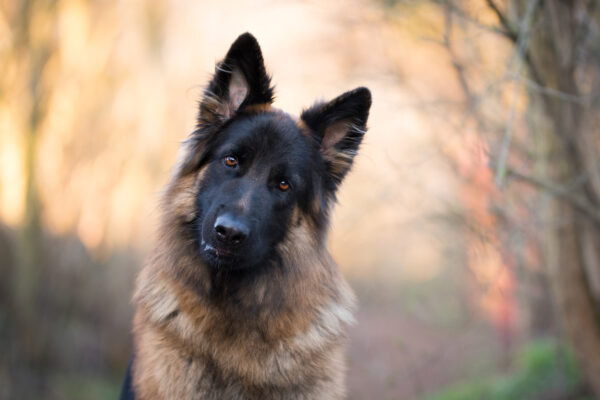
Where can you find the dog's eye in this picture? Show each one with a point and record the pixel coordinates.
(284, 185)
(231, 161)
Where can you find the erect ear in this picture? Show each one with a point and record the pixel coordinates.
(338, 127)
(239, 80)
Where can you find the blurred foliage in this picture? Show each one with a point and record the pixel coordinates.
(88, 387)
(79, 344)
(544, 369)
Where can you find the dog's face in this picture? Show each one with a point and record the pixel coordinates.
(261, 171)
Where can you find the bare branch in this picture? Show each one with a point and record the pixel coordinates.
(485, 27)
(511, 32)
(548, 91)
(514, 35)
(458, 67)
(521, 48)
(578, 202)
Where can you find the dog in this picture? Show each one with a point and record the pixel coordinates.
(240, 298)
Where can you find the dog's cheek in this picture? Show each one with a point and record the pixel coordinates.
(181, 196)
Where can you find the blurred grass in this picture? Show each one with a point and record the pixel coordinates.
(544, 370)
(87, 387)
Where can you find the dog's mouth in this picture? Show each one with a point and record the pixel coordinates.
(218, 252)
(219, 256)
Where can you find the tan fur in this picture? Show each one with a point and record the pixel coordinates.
(260, 108)
(283, 339)
(303, 128)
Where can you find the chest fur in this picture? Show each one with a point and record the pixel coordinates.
(186, 348)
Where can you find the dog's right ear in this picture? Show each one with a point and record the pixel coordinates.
(338, 127)
(240, 80)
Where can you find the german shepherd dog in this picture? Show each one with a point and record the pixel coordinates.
(240, 298)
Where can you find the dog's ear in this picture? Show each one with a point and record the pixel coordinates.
(338, 127)
(240, 80)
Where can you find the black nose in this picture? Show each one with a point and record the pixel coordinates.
(230, 230)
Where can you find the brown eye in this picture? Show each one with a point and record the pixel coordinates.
(231, 161)
(284, 185)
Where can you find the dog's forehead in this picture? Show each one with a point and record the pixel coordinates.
(273, 133)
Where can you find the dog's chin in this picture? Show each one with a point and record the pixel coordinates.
(222, 258)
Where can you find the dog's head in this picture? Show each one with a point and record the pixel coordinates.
(253, 171)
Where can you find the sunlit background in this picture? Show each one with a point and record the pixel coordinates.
(448, 227)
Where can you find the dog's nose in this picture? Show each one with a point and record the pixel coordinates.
(230, 230)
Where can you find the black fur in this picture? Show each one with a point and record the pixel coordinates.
(127, 392)
(269, 148)
(245, 54)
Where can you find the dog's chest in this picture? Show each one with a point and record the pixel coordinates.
(199, 365)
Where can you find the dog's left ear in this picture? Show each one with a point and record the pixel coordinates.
(338, 127)
(240, 80)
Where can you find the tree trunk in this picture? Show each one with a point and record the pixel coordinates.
(571, 242)
(27, 272)
(571, 292)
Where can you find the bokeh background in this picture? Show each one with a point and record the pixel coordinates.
(469, 227)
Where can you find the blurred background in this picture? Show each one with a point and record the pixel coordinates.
(469, 227)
